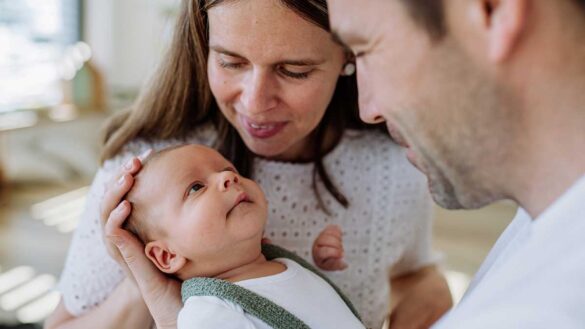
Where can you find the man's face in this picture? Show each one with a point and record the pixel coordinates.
(433, 94)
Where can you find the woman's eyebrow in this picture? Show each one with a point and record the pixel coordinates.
(295, 62)
(302, 62)
(221, 50)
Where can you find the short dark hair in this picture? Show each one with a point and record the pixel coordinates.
(429, 14)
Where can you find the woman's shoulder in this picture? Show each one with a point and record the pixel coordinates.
(205, 134)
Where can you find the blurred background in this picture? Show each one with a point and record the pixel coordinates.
(65, 66)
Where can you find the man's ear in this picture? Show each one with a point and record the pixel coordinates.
(503, 21)
(163, 257)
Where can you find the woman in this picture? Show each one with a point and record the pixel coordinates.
(263, 82)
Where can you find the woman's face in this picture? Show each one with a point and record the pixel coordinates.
(272, 74)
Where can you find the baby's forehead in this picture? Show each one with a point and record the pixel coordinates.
(178, 161)
(185, 157)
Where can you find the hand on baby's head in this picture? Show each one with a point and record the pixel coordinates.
(328, 249)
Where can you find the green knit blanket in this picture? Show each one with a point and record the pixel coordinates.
(252, 303)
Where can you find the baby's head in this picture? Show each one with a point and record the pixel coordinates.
(195, 214)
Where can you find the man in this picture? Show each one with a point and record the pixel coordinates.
(488, 97)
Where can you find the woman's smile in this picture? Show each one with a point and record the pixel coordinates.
(261, 129)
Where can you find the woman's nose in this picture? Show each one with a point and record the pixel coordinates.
(227, 179)
(259, 92)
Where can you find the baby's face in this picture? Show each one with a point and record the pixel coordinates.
(206, 211)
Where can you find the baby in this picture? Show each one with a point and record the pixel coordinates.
(199, 218)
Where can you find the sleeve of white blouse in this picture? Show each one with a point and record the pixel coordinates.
(90, 274)
(418, 251)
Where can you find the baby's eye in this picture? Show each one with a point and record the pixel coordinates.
(195, 188)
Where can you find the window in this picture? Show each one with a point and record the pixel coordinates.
(36, 39)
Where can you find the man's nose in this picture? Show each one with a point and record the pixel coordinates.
(259, 92)
(369, 112)
(227, 179)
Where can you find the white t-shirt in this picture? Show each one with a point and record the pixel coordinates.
(534, 276)
(297, 290)
(387, 227)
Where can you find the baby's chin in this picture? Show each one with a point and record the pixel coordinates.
(226, 264)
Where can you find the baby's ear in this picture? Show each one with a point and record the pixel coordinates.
(163, 258)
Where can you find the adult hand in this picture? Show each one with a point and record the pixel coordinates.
(115, 191)
(161, 294)
(420, 299)
(328, 249)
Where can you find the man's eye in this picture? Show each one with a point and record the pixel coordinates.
(195, 188)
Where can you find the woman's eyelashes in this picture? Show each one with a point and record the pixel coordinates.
(229, 65)
(281, 70)
(295, 75)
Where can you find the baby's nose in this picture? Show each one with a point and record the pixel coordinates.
(227, 179)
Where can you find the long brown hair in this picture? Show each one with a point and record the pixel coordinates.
(178, 98)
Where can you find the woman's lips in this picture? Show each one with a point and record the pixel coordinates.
(261, 129)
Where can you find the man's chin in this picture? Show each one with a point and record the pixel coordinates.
(443, 194)
(411, 157)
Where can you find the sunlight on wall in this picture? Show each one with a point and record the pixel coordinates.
(62, 211)
(30, 295)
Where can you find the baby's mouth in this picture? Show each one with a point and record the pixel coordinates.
(242, 198)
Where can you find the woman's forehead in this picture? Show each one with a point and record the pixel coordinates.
(269, 28)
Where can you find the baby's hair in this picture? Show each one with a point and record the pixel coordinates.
(139, 222)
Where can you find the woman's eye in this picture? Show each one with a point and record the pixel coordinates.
(229, 65)
(195, 188)
(294, 75)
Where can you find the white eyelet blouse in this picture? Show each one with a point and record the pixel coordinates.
(387, 226)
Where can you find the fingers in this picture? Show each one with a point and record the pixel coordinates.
(119, 186)
(328, 249)
(333, 264)
(331, 236)
(329, 258)
(324, 253)
(328, 240)
(131, 249)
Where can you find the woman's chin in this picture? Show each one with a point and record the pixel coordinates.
(267, 149)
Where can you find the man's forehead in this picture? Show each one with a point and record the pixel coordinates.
(351, 20)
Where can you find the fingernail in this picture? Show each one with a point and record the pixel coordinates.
(144, 155)
(121, 207)
(121, 180)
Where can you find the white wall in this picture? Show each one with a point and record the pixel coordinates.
(128, 38)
